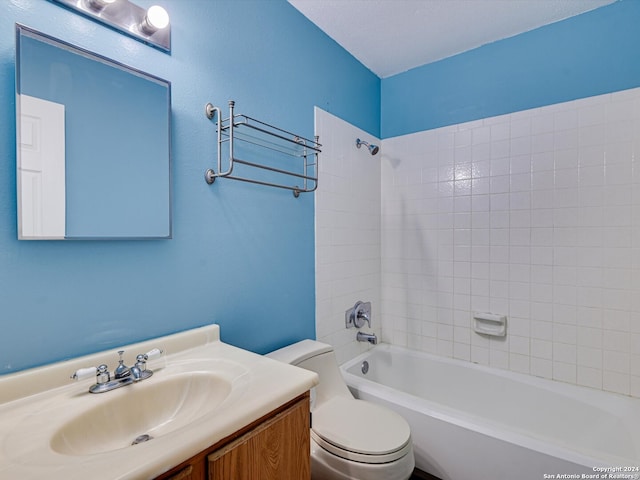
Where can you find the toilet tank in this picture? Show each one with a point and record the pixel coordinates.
(320, 358)
(298, 352)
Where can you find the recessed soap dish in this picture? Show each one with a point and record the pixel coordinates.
(490, 324)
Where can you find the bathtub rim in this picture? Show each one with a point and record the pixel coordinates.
(593, 397)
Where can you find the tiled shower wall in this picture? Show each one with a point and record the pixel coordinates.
(534, 215)
(348, 220)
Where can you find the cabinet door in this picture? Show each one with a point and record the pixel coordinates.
(278, 449)
(184, 474)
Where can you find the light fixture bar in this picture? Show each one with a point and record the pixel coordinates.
(149, 26)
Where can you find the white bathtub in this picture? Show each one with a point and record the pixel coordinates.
(473, 422)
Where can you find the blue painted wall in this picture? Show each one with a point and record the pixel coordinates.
(590, 54)
(241, 255)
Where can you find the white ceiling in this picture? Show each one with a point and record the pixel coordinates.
(392, 36)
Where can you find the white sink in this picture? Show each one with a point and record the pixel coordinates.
(200, 393)
(147, 411)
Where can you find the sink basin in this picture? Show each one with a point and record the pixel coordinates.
(141, 412)
(201, 392)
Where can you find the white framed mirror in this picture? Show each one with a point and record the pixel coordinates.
(93, 145)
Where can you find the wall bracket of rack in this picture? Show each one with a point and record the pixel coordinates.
(300, 177)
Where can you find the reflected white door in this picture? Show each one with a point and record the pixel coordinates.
(41, 169)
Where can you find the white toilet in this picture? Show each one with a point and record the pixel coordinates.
(350, 438)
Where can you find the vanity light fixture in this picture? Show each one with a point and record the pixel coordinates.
(150, 26)
(98, 4)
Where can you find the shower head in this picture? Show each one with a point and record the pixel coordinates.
(373, 149)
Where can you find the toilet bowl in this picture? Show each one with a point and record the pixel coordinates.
(350, 438)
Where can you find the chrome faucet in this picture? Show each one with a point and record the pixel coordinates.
(121, 370)
(122, 375)
(356, 317)
(367, 337)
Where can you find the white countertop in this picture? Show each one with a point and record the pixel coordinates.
(37, 403)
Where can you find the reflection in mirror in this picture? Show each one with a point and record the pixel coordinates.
(94, 153)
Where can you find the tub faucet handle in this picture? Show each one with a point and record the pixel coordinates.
(358, 315)
(363, 314)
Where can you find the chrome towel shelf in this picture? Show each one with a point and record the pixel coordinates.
(288, 160)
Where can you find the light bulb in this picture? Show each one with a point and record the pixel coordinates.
(156, 18)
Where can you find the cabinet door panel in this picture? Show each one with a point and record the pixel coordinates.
(184, 474)
(276, 450)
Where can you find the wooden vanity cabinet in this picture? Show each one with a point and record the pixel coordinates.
(275, 447)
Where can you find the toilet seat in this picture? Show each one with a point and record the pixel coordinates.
(360, 431)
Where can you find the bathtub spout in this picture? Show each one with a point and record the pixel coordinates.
(367, 337)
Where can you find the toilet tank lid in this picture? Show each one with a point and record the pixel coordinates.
(300, 351)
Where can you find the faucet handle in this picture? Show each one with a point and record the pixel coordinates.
(84, 373)
(139, 370)
(101, 374)
(153, 353)
(150, 355)
(141, 362)
(362, 314)
(357, 315)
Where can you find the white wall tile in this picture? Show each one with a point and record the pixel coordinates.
(535, 215)
(348, 229)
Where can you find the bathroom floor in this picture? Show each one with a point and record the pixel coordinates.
(420, 475)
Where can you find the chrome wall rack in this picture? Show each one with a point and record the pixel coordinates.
(288, 160)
